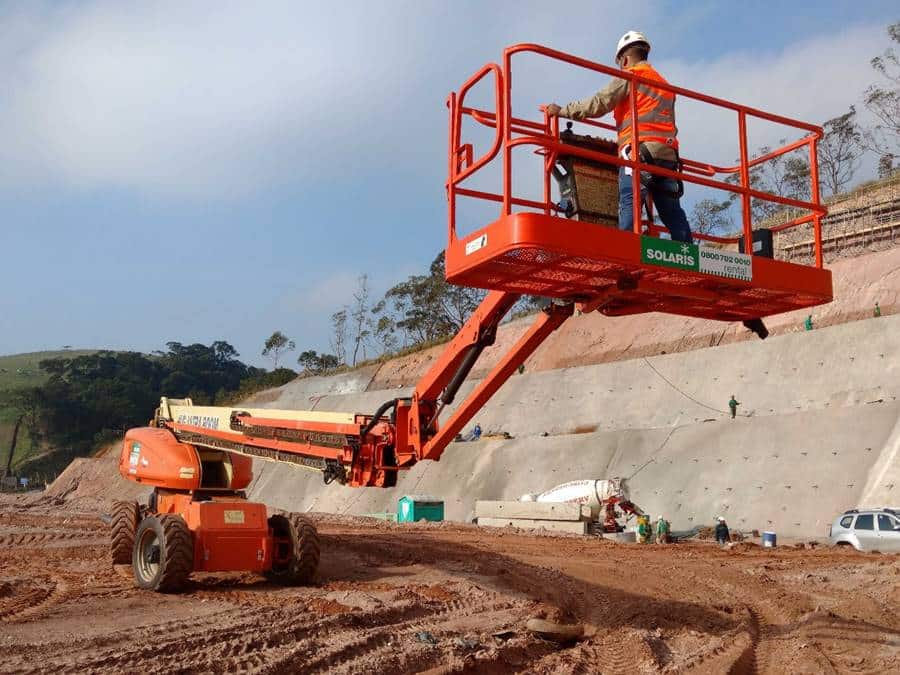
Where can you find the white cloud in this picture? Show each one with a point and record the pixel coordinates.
(328, 294)
(813, 80)
(220, 99)
(188, 98)
(336, 290)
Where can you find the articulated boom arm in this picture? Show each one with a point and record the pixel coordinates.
(369, 450)
(438, 388)
(543, 252)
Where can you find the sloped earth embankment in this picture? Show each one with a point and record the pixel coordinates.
(593, 338)
(92, 482)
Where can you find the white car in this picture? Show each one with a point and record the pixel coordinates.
(867, 530)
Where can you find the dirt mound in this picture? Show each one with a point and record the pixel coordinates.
(93, 482)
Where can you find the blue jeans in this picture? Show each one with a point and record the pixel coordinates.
(663, 191)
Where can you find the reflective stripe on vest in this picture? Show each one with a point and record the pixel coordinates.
(655, 111)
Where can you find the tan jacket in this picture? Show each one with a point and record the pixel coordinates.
(603, 102)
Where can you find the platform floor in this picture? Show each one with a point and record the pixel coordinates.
(536, 254)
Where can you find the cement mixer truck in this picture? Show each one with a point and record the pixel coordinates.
(603, 496)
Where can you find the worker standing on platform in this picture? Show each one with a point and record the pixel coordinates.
(732, 405)
(657, 134)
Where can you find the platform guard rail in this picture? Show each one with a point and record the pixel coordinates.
(512, 131)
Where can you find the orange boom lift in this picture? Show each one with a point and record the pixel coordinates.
(198, 459)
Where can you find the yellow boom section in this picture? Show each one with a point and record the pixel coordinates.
(183, 411)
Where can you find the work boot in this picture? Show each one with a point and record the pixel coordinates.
(758, 327)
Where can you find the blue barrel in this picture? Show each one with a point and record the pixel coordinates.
(768, 539)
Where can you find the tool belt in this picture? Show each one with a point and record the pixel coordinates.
(648, 179)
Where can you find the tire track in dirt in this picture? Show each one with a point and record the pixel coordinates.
(674, 609)
(161, 645)
(372, 643)
(746, 662)
(774, 629)
(571, 595)
(303, 633)
(604, 656)
(18, 601)
(37, 538)
(575, 596)
(36, 599)
(241, 640)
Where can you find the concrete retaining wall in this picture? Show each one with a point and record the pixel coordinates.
(789, 473)
(847, 364)
(819, 431)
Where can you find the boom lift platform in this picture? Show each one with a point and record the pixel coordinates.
(541, 252)
(195, 456)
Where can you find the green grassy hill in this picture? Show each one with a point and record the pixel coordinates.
(23, 370)
(18, 371)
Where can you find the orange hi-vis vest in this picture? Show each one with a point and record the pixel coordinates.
(655, 111)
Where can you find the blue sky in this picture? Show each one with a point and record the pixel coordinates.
(200, 171)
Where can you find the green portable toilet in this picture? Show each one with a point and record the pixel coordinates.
(413, 508)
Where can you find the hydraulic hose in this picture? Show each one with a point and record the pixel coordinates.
(462, 372)
(382, 409)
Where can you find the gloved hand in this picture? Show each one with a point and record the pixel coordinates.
(625, 153)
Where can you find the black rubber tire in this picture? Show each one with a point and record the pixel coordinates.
(303, 561)
(123, 524)
(167, 569)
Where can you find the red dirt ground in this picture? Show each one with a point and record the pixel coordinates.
(447, 598)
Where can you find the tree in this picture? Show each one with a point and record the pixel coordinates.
(429, 308)
(710, 216)
(256, 380)
(25, 406)
(883, 101)
(88, 396)
(223, 353)
(839, 151)
(785, 176)
(277, 344)
(90, 399)
(383, 327)
(314, 363)
(201, 371)
(360, 317)
(339, 335)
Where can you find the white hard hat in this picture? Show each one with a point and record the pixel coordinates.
(630, 38)
(721, 519)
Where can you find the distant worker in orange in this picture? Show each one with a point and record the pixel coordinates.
(657, 134)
